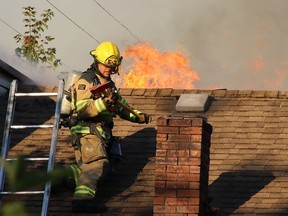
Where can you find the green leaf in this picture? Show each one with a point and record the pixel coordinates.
(32, 48)
(21, 178)
(12, 209)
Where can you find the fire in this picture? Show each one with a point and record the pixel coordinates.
(257, 64)
(152, 69)
(277, 81)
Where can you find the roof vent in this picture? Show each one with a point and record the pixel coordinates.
(193, 103)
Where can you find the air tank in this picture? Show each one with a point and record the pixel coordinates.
(66, 100)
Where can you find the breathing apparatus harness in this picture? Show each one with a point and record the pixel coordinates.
(71, 119)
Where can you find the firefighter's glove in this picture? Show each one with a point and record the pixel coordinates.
(111, 99)
(144, 118)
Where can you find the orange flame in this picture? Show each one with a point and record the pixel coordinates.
(257, 64)
(277, 82)
(152, 69)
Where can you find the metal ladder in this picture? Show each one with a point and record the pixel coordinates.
(6, 139)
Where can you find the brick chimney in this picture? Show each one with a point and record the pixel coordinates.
(182, 166)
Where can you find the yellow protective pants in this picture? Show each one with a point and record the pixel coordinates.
(92, 159)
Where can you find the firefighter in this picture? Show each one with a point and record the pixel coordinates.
(92, 123)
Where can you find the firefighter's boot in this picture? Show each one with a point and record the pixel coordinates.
(84, 201)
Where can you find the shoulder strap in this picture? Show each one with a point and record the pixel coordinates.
(93, 76)
(94, 79)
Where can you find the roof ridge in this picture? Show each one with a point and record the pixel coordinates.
(170, 92)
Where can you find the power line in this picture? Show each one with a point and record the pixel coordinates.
(131, 33)
(73, 22)
(9, 26)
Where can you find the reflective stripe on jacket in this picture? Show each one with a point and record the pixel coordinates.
(93, 109)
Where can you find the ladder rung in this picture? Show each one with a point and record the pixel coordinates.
(30, 126)
(30, 159)
(37, 94)
(22, 192)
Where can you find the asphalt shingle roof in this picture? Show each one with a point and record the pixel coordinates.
(248, 161)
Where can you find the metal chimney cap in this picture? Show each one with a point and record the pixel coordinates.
(193, 103)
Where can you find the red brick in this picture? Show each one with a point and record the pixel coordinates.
(178, 169)
(191, 130)
(180, 122)
(166, 176)
(189, 161)
(194, 185)
(177, 201)
(195, 169)
(188, 177)
(174, 214)
(160, 184)
(189, 145)
(178, 153)
(196, 138)
(195, 153)
(172, 177)
(194, 201)
(161, 153)
(159, 200)
(197, 122)
(159, 192)
(178, 137)
(167, 145)
(160, 168)
(185, 131)
(161, 121)
(177, 185)
(187, 209)
(184, 145)
(166, 160)
(161, 137)
(164, 209)
(188, 193)
(167, 130)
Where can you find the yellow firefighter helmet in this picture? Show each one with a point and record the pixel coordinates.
(107, 53)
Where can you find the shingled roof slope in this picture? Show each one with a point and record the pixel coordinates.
(248, 161)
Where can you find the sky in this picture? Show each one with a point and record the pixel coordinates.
(231, 44)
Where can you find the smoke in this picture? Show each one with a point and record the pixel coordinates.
(225, 37)
(233, 44)
(38, 75)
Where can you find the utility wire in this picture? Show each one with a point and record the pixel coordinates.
(73, 22)
(131, 33)
(10, 26)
